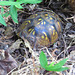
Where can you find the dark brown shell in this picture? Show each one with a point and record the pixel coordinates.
(72, 4)
(41, 29)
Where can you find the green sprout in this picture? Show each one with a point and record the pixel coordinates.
(13, 6)
(52, 67)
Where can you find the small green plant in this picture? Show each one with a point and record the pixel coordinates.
(52, 66)
(13, 8)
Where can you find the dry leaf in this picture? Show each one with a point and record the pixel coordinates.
(7, 64)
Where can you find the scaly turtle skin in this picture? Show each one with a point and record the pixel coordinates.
(41, 29)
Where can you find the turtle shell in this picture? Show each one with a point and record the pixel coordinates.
(41, 29)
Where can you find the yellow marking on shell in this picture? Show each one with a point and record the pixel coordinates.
(45, 35)
(46, 38)
(59, 27)
(51, 31)
(29, 30)
(58, 23)
(33, 32)
(54, 32)
(39, 19)
(26, 23)
(46, 17)
(36, 14)
(52, 27)
(44, 22)
(42, 37)
(54, 37)
(52, 14)
(38, 23)
(29, 21)
(46, 14)
(51, 18)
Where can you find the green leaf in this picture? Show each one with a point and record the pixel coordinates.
(52, 63)
(2, 10)
(60, 64)
(57, 67)
(2, 20)
(9, 3)
(51, 67)
(48, 68)
(43, 59)
(5, 14)
(20, 2)
(19, 6)
(13, 13)
(11, 0)
(61, 69)
(31, 1)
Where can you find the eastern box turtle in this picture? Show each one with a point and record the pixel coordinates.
(41, 29)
